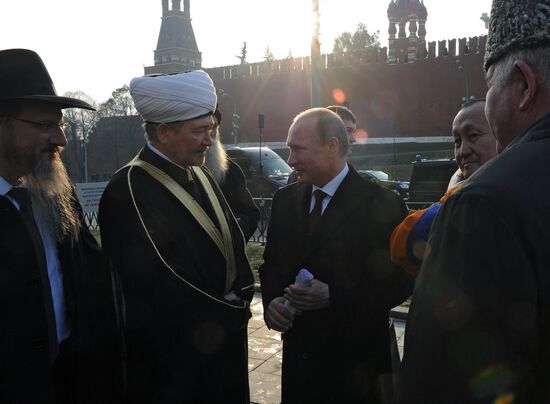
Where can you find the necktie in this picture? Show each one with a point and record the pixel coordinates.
(315, 215)
(21, 195)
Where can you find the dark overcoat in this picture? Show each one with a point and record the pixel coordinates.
(336, 354)
(239, 199)
(25, 370)
(479, 325)
(185, 343)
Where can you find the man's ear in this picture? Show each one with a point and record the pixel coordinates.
(526, 81)
(163, 131)
(333, 146)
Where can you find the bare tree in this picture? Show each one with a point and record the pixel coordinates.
(80, 123)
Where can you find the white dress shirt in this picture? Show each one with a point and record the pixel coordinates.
(54, 269)
(329, 189)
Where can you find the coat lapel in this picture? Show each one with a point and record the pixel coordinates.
(302, 202)
(344, 203)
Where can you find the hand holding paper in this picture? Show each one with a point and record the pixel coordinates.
(277, 316)
(303, 280)
(313, 297)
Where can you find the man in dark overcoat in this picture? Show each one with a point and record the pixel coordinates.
(57, 327)
(179, 254)
(479, 325)
(232, 182)
(337, 349)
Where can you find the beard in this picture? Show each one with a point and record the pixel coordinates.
(53, 198)
(216, 160)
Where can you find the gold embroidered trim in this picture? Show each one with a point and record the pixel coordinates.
(240, 306)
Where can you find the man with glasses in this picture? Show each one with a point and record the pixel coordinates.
(179, 253)
(54, 333)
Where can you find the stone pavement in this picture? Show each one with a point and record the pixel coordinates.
(265, 355)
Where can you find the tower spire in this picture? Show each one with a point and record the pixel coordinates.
(177, 49)
(186, 9)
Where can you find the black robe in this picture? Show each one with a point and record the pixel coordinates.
(479, 324)
(25, 372)
(336, 354)
(185, 343)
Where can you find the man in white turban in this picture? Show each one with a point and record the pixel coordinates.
(178, 253)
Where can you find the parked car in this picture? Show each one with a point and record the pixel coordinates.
(429, 180)
(265, 170)
(401, 188)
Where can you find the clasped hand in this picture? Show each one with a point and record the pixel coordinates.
(314, 297)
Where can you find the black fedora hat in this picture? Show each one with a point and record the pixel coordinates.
(23, 76)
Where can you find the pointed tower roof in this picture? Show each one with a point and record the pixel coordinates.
(177, 48)
(176, 31)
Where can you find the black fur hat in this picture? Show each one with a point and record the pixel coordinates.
(515, 25)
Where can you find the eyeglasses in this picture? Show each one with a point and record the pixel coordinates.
(46, 126)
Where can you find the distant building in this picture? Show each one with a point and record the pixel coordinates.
(177, 49)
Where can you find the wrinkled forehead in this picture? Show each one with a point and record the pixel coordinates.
(471, 117)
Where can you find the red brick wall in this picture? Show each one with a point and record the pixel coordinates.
(413, 99)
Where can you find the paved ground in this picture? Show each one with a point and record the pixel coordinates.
(264, 356)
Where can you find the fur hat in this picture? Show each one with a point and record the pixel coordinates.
(516, 25)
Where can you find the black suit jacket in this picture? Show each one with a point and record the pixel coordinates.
(25, 374)
(336, 353)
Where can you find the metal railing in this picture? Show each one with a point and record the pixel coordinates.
(260, 235)
(264, 204)
(91, 220)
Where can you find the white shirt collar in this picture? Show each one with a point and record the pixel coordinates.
(161, 154)
(332, 186)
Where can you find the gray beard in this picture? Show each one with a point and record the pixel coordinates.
(216, 160)
(53, 198)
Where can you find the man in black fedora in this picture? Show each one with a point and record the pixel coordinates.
(56, 328)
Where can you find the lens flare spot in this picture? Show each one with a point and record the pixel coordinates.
(505, 399)
(492, 382)
(361, 135)
(338, 95)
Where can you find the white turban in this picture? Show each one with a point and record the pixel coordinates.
(172, 98)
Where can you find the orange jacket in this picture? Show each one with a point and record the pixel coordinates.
(408, 240)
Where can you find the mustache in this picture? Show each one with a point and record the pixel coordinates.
(53, 149)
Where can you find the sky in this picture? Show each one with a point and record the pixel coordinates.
(100, 45)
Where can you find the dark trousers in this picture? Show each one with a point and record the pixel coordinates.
(63, 373)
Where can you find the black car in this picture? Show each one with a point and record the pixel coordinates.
(429, 180)
(265, 170)
(401, 188)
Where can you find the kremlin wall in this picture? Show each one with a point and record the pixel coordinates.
(415, 99)
(404, 96)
